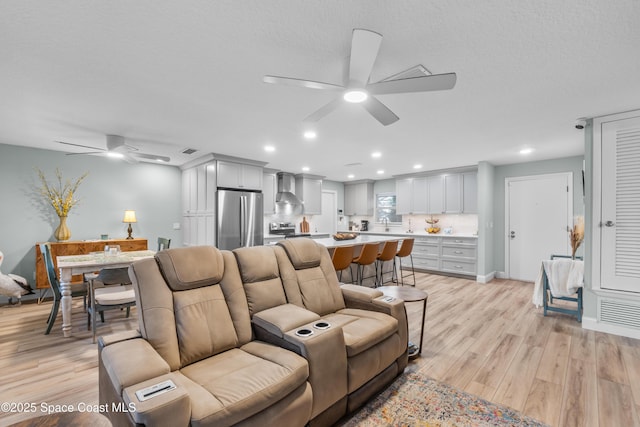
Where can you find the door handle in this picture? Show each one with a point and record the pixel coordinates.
(609, 224)
(513, 234)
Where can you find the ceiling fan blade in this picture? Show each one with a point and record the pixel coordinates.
(310, 84)
(129, 159)
(414, 84)
(152, 157)
(380, 111)
(87, 152)
(364, 50)
(78, 145)
(314, 117)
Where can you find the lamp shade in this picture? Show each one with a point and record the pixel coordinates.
(129, 216)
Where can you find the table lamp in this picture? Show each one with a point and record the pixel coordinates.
(129, 217)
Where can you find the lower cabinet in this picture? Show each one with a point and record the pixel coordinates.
(446, 254)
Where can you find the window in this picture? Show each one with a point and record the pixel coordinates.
(386, 208)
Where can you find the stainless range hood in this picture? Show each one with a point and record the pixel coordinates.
(286, 184)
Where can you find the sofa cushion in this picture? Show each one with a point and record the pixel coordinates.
(192, 267)
(260, 278)
(362, 329)
(203, 323)
(303, 253)
(241, 382)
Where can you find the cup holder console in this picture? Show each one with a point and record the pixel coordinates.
(304, 332)
(322, 325)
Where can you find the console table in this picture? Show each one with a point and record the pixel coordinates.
(80, 247)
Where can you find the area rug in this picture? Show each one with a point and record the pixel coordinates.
(416, 400)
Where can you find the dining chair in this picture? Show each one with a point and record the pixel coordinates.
(77, 290)
(163, 243)
(405, 251)
(110, 289)
(368, 255)
(388, 253)
(342, 258)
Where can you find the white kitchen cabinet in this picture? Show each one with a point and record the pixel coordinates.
(239, 175)
(470, 192)
(435, 189)
(452, 193)
(198, 204)
(411, 196)
(309, 190)
(269, 189)
(358, 198)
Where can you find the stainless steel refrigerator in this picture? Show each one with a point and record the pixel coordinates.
(239, 217)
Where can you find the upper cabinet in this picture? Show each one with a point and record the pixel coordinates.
(358, 198)
(309, 190)
(437, 194)
(239, 175)
(269, 188)
(411, 196)
(470, 192)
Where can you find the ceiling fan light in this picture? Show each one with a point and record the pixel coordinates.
(355, 96)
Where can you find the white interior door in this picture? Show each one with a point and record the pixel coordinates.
(539, 212)
(327, 222)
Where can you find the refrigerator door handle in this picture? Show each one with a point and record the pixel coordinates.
(243, 215)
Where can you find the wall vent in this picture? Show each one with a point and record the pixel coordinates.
(620, 313)
(189, 151)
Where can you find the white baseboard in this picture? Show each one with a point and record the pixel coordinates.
(501, 275)
(486, 278)
(592, 324)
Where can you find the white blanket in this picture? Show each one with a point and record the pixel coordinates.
(565, 277)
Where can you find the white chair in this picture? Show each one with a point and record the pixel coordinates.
(110, 289)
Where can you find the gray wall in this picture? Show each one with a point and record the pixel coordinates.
(567, 164)
(111, 187)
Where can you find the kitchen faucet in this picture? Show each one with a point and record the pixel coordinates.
(386, 224)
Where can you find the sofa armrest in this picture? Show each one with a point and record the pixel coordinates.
(359, 293)
(105, 340)
(131, 362)
(172, 408)
(282, 318)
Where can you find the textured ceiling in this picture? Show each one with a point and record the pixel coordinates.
(168, 75)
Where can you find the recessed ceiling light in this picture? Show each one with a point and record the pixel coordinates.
(526, 151)
(351, 176)
(355, 96)
(305, 168)
(380, 172)
(269, 148)
(115, 154)
(417, 166)
(310, 134)
(376, 154)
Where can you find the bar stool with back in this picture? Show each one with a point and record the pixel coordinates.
(342, 258)
(405, 251)
(388, 253)
(368, 256)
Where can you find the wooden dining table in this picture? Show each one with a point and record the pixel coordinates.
(88, 263)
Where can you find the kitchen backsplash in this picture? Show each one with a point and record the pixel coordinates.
(459, 223)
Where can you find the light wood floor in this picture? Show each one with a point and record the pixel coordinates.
(486, 339)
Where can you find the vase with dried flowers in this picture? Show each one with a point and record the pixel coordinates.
(62, 197)
(576, 235)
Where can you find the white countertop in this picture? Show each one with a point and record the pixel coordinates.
(415, 233)
(330, 242)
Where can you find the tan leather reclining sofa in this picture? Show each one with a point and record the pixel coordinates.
(258, 336)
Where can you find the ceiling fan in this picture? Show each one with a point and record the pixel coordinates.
(116, 147)
(357, 89)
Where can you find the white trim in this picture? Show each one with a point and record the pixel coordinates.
(502, 275)
(486, 278)
(593, 325)
(507, 221)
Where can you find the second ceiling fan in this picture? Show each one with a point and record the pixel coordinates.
(357, 89)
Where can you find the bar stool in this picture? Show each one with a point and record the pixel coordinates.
(368, 255)
(389, 250)
(405, 251)
(342, 258)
